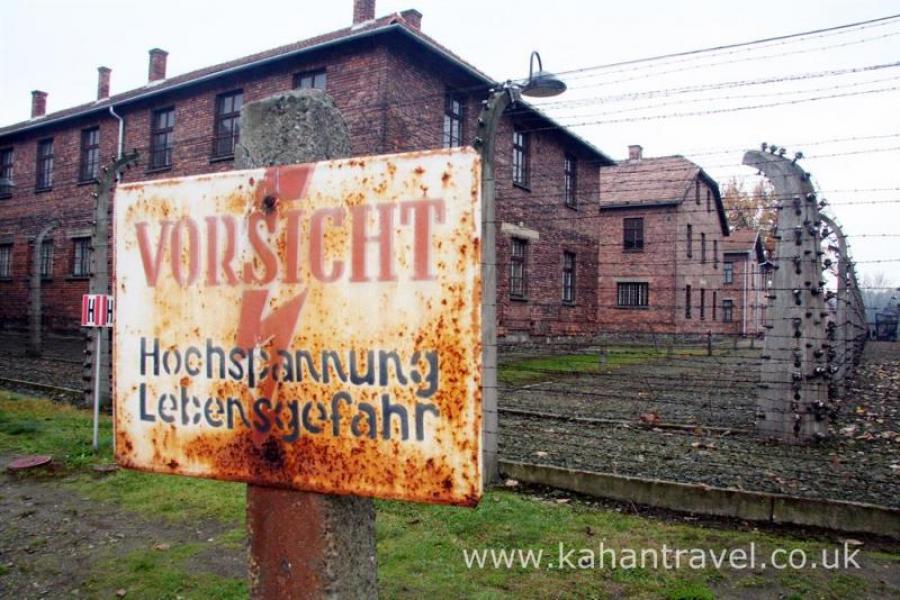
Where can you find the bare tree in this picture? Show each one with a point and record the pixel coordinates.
(753, 209)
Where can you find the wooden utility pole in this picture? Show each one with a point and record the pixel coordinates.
(302, 544)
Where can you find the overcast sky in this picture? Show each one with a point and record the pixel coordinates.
(56, 46)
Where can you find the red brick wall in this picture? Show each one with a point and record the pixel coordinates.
(393, 100)
(654, 265)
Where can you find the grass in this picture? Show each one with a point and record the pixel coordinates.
(525, 370)
(420, 547)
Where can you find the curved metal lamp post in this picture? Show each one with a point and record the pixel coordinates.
(540, 85)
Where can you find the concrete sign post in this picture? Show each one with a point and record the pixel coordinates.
(314, 327)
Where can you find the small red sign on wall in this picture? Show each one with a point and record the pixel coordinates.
(96, 310)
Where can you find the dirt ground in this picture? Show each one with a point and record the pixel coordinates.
(623, 419)
(53, 538)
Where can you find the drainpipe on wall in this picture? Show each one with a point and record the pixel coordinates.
(121, 150)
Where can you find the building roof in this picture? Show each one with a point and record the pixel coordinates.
(744, 241)
(391, 24)
(655, 181)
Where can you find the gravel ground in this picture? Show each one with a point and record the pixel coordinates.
(860, 462)
(60, 364)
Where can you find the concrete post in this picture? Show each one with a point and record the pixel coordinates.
(842, 358)
(303, 545)
(485, 141)
(791, 406)
(35, 347)
(100, 283)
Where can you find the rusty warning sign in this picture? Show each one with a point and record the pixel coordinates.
(313, 326)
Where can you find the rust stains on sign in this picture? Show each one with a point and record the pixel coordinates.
(314, 327)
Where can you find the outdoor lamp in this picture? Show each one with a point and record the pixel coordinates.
(542, 84)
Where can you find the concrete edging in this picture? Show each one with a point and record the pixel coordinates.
(723, 502)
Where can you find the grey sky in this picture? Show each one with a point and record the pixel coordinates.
(57, 45)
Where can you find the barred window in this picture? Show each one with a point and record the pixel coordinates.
(90, 154)
(517, 265)
(632, 295)
(728, 271)
(81, 263)
(6, 261)
(703, 248)
(454, 114)
(46, 259)
(570, 181)
(520, 158)
(715, 302)
(690, 241)
(633, 234)
(702, 304)
(568, 277)
(227, 128)
(687, 302)
(727, 310)
(44, 165)
(310, 80)
(6, 172)
(715, 254)
(162, 136)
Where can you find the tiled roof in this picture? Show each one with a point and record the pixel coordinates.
(647, 180)
(741, 240)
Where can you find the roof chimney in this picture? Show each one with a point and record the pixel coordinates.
(157, 64)
(413, 17)
(635, 152)
(363, 10)
(103, 82)
(38, 103)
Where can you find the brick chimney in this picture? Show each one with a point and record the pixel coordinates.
(363, 10)
(38, 103)
(413, 17)
(103, 82)
(157, 64)
(635, 152)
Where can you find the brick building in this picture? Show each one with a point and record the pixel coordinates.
(662, 238)
(744, 281)
(398, 90)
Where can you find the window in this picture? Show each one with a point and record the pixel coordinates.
(90, 154)
(310, 80)
(81, 263)
(687, 302)
(520, 158)
(714, 303)
(161, 138)
(690, 241)
(633, 240)
(702, 304)
(568, 277)
(517, 268)
(728, 270)
(6, 172)
(715, 254)
(5, 261)
(46, 259)
(697, 191)
(727, 310)
(227, 128)
(570, 181)
(454, 112)
(44, 165)
(703, 248)
(632, 295)
(708, 201)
